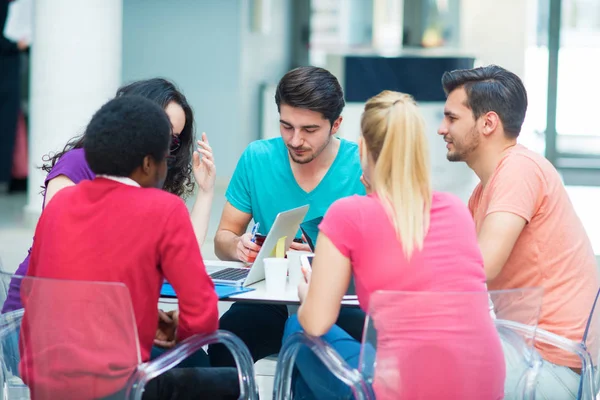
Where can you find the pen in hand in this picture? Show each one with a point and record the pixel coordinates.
(254, 231)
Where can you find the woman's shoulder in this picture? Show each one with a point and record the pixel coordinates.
(354, 202)
(445, 199)
(73, 165)
(73, 156)
(448, 206)
(351, 208)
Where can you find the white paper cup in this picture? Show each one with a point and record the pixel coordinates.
(276, 270)
(295, 267)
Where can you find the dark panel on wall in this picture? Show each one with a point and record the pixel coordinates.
(417, 76)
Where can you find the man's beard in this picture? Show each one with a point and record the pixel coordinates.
(461, 154)
(314, 155)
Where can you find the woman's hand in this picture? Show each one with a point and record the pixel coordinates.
(303, 286)
(203, 165)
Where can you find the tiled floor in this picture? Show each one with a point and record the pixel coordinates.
(15, 239)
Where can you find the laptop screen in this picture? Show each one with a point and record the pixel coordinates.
(310, 229)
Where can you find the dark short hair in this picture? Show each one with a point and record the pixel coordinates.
(491, 88)
(311, 88)
(123, 132)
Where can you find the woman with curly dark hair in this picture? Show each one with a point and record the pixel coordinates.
(69, 166)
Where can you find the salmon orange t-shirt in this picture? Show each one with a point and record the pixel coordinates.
(553, 250)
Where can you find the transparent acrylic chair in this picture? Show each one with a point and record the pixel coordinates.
(88, 330)
(400, 346)
(3, 283)
(511, 308)
(11, 385)
(588, 349)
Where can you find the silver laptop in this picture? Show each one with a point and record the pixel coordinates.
(286, 224)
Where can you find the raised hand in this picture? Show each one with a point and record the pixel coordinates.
(203, 166)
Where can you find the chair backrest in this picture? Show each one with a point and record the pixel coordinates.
(513, 310)
(428, 343)
(4, 283)
(591, 340)
(12, 385)
(77, 339)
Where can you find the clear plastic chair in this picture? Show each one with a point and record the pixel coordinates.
(400, 345)
(588, 350)
(80, 338)
(3, 284)
(511, 308)
(11, 385)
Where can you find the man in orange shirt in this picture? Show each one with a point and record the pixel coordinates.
(527, 228)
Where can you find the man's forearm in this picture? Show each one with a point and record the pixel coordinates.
(225, 245)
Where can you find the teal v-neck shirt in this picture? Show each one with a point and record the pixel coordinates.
(263, 184)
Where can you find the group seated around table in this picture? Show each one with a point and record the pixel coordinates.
(112, 213)
(122, 227)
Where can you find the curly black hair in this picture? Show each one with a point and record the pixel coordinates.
(161, 91)
(123, 133)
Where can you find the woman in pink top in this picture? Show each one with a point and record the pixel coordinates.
(400, 237)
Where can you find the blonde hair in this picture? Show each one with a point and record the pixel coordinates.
(394, 134)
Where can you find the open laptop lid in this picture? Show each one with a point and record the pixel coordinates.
(286, 225)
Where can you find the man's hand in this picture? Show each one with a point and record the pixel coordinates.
(300, 246)
(246, 249)
(166, 334)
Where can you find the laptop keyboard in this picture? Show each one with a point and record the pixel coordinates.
(230, 274)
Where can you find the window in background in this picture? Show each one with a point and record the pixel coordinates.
(578, 83)
(441, 22)
(338, 26)
(573, 140)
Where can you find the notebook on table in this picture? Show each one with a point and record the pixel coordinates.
(223, 291)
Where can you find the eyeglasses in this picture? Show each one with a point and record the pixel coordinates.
(175, 144)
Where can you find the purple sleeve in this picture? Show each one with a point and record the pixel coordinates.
(13, 296)
(72, 165)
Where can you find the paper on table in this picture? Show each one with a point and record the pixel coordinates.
(19, 21)
(279, 251)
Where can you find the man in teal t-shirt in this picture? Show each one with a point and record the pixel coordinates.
(306, 165)
(263, 184)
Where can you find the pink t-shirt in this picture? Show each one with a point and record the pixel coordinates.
(450, 261)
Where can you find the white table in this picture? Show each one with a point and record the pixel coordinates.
(260, 294)
(289, 297)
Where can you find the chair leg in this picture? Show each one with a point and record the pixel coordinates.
(327, 355)
(587, 376)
